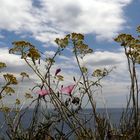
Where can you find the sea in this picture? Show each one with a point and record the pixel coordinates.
(114, 115)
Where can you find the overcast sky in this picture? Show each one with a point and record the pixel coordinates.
(41, 21)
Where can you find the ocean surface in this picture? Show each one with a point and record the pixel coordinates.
(113, 113)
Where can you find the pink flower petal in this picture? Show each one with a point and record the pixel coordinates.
(42, 92)
(67, 89)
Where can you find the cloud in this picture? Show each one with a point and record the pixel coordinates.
(104, 58)
(15, 15)
(51, 18)
(10, 59)
(49, 53)
(1, 36)
(107, 59)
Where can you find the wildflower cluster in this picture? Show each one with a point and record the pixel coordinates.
(131, 45)
(58, 105)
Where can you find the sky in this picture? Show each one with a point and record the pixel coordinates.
(41, 21)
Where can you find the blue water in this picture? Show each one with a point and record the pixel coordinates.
(114, 115)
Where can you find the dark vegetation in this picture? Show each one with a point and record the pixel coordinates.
(66, 108)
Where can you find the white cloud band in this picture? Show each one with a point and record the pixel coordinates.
(51, 19)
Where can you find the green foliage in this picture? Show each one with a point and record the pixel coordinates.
(131, 45)
(62, 42)
(100, 73)
(138, 29)
(10, 78)
(60, 77)
(84, 69)
(33, 53)
(17, 102)
(25, 49)
(20, 47)
(67, 107)
(77, 41)
(51, 61)
(28, 96)
(2, 65)
(9, 90)
(24, 75)
(5, 109)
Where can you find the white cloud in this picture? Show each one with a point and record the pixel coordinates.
(65, 58)
(52, 18)
(14, 16)
(1, 36)
(10, 59)
(104, 58)
(49, 53)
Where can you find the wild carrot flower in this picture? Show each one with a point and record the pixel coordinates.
(67, 89)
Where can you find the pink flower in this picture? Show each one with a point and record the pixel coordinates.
(67, 89)
(42, 92)
(57, 71)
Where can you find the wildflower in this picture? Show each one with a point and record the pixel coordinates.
(42, 92)
(11, 79)
(57, 71)
(67, 89)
